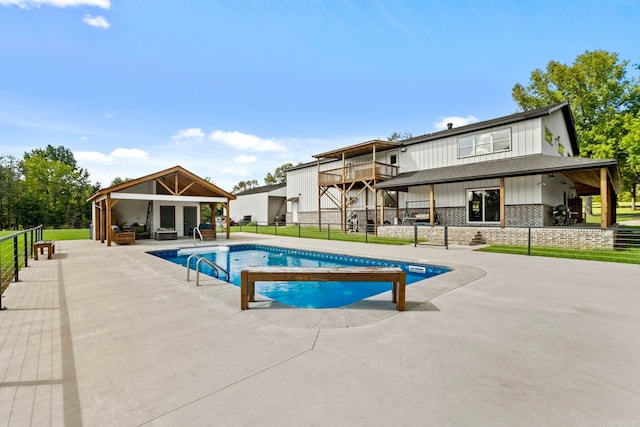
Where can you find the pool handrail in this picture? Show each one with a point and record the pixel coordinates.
(207, 261)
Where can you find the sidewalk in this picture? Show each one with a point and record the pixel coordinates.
(113, 336)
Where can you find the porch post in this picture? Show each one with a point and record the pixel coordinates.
(502, 198)
(432, 205)
(604, 195)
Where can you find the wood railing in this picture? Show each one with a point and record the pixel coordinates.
(395, 275)
(360, 172)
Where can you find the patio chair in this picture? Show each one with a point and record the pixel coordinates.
(122, 237)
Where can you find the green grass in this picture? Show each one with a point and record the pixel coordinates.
(627, 256)
(623, 213)
(66, 234)
(325, 234)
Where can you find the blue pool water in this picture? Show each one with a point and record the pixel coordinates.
(298, 294)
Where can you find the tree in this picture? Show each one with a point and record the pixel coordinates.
(117, 181)
(399, 136)
(55, 189)
(600, 95)
(244, 186)
(630, 145)
(279, 176)
(9, 192)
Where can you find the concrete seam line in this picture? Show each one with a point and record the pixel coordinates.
(282, 362)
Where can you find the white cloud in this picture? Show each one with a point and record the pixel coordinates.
(84, 138)
(108, 116)
(234, 171)
(456, 121)
(92, 157)
(129, 153)
(109, 159)
(243, 141)
(243, 158)
(96, 21)
(191, 134)
(30, 4)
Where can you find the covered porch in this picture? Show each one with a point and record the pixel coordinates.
(165, 204)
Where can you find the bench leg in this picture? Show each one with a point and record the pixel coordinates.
(35, 253)
(402, 285)
(49, 251)
(244, 300)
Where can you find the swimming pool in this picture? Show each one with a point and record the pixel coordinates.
(235, 258)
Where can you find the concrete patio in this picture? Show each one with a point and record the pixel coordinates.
(113, 336)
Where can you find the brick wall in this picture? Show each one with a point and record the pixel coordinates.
(563, 237)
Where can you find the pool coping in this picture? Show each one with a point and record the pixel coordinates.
(365, 312)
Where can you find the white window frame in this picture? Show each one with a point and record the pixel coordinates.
(484, 210)
(483, 143)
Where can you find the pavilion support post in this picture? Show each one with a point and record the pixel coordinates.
(228, 218)
(101, 221)
(108, 228)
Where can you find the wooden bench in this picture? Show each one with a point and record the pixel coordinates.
(40, 245)
(395, 275)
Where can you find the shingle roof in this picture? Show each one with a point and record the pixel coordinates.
(511, 167)
(262, 189)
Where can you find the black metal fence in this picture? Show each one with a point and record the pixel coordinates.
(366, 233)
(15, 251)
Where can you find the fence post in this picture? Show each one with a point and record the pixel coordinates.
(275, 231)
(529, 243)
(298, 229)
(16, 264)
(446, 237)
(415, 236)
(328, 231)
(256, 227)
(26, 255)
(1, 282)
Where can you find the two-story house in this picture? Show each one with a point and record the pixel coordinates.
(510, 171)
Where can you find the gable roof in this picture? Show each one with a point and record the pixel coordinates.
(176, 181)
(507, 168)
(358, 149)
(262, 189)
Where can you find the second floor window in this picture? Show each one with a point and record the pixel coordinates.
(484, 143)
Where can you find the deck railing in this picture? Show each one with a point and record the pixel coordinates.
(15, 251)
(360, 172)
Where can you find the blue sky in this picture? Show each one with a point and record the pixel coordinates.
(231, 89)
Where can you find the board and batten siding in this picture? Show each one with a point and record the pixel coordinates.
(527, 138)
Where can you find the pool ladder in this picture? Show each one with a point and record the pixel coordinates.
(207, 261)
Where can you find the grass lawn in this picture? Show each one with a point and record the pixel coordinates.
(333, 233)
(627, 256)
